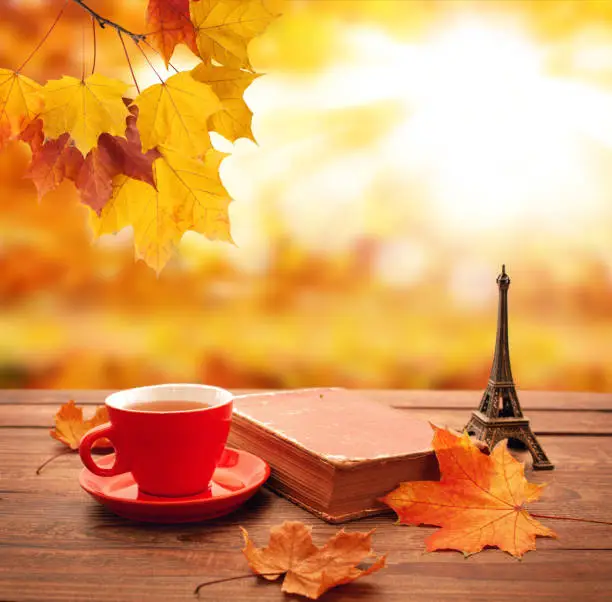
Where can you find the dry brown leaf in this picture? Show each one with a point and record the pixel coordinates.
(70, 426)
(310, 571)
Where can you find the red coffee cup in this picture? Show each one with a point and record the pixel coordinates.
(170, 451)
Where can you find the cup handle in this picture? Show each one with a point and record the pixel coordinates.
(104, 431)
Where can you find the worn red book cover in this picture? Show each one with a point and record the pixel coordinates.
(332, 450)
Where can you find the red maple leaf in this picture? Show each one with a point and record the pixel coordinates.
(114, 155)
(33, 135)
(170, 25)
(52, 162)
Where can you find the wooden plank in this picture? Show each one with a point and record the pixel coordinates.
(58, 544)
(543, 422)
(157, 574)
(68, 545)
(530, 400)
(53, 397)
(68, 517)
(581, 485)
(77, 550)
(56, 397)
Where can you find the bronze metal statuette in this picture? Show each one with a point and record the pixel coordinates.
(499, 415)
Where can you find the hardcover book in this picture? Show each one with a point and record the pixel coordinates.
(331, 450)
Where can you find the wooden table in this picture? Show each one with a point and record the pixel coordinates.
(56, 543)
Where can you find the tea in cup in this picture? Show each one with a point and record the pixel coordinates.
(170, 437)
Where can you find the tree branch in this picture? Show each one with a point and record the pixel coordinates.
(103, 22)
(59, 16)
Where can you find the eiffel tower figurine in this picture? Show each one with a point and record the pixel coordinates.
(499, 415)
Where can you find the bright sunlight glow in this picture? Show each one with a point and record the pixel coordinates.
(494, 138)
(488, 141)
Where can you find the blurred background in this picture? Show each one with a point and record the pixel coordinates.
(406, 150)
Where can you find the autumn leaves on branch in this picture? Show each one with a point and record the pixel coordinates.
(146, 161)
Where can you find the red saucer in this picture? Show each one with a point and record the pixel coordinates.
(236, 479)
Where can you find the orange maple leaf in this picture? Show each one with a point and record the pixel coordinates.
(70, 426)
(171, 24)
(478, 502)
(310, 571)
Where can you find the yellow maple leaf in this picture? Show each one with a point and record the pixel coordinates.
(84, 108)
(224, 29)
(233, 121)
(175, 114)
(70, 426)
(20, 102)
(189, 196)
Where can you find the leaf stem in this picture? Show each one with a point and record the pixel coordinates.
(63, 452)
(199, 587)
(59, 16)
(103, 22)
(580, 520)
(159, 77)
(159, 54)
(83, 54)
(129, 62)
(95, 45)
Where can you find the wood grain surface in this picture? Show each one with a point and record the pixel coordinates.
(56, 543)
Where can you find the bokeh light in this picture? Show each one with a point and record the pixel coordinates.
(405, 150)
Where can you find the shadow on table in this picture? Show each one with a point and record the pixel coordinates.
(102, 519)
(358, 590)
